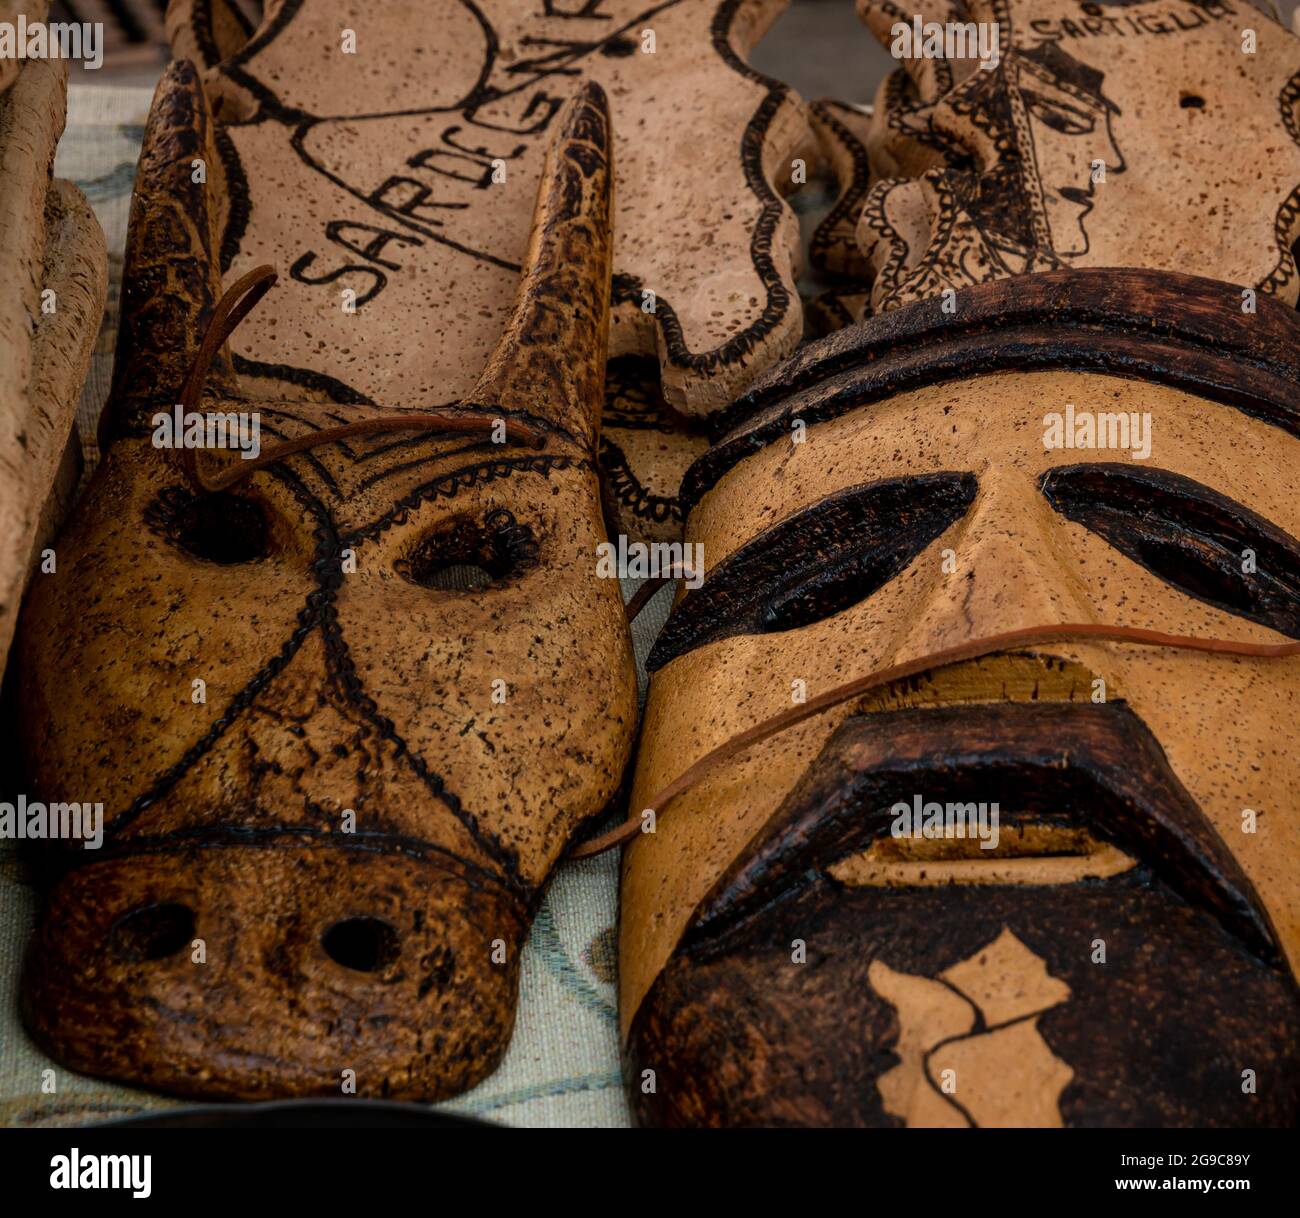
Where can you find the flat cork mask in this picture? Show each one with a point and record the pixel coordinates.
(1124, 953)
(51, 297)
(842, 131)
(1109, 134)
(345, 714)
(413, 163)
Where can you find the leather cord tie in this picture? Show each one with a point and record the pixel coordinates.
(240, 299)
(969, 650)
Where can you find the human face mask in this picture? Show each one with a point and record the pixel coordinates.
(825, 928)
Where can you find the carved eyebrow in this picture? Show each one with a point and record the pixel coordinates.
(1189, 535)
(818, 562)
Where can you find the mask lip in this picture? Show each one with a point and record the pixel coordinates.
(1091, 767)
(1074, 856)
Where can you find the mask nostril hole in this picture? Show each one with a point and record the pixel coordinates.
(220, 528)
(459, 577)
(467, 553)
(153, 932)
(364, 945)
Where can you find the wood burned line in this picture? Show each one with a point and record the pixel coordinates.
(626, 287)
(318, 613)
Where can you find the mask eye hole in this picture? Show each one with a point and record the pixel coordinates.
(818, 562)
(467, 553)
(221, 528)
(153, 932)
(833, 589)
(1190, 536)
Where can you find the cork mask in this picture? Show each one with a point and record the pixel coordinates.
(1147, 134)
(789, 954)
(344, 714)
(409, 136)
(51, 299)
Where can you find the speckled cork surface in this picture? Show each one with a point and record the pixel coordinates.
(51, 297)
(1053, 570)
(10, 12)
(1063, 572)
(788, 956)
(1149, 134)
(336, 776)
(412, 163)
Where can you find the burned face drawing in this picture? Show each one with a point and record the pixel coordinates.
(818, 966)
(1069, 120)
(1044, 126)
(1106, 136)
(1050, 123)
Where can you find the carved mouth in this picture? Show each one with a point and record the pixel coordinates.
(1029, 852)
(1082, 790)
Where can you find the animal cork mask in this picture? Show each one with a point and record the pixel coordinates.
(344, 708)
(970, 760)
(410, 136)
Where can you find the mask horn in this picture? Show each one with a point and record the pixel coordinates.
(206, 31)
(171, 278)
(550, 362)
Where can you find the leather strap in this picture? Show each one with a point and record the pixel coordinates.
(969, 650)
(235, 304)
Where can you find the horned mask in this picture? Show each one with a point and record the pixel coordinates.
(337, 770)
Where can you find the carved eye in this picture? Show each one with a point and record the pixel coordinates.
(153, 932)
(469, 552)
(818, 562)
(218, 527)
(1193, 538)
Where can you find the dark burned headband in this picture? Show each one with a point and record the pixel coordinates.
(1155, 326)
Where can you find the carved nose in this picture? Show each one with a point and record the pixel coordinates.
(1009, 568)
(250, 972)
